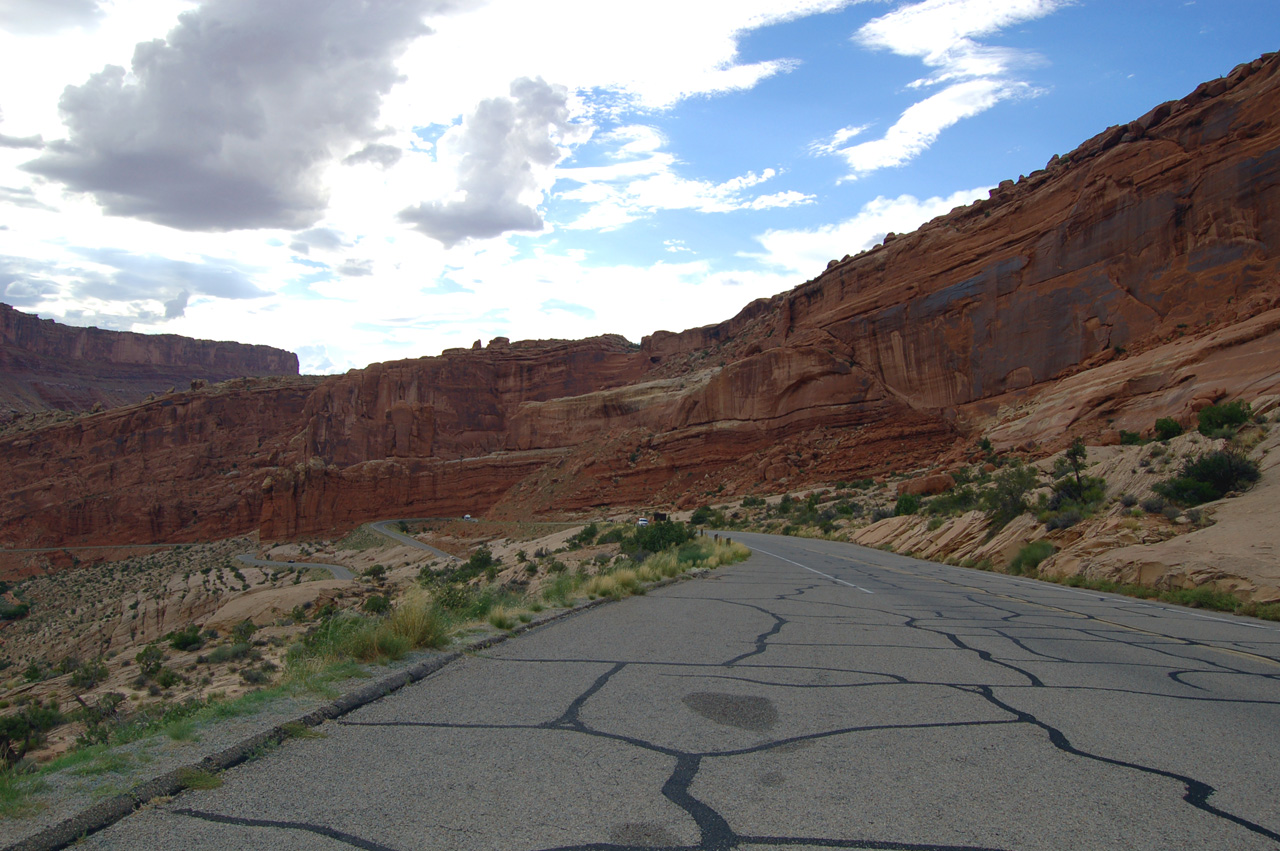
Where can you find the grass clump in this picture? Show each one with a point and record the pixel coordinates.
(1029, 557)
(197, 778)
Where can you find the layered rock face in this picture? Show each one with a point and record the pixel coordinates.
(45, 365)
(186, 467)
(1134, 277)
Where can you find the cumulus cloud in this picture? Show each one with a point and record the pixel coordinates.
(975, 77)
(355, 268)
(25, 282)
(383, 156)
(44, 17)
(129, 277)
(177, 306)
(36, 142)
(22, 196)
(324, 239)
(806, 251)
(503, 153)
(229, 121)
(645, 179)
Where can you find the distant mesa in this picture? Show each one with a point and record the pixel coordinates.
(45, 365)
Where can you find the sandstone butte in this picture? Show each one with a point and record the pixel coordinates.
(1132, 278)
(45, 365)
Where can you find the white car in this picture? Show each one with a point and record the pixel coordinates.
(643, 521)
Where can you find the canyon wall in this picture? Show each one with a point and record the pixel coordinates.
(1131, 278)
(46, 365)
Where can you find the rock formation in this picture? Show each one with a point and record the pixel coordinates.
(1133, 277)
(47, 365)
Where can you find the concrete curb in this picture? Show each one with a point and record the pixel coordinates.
(111, 810)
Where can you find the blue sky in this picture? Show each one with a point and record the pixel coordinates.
(362, 182)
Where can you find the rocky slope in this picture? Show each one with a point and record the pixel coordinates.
(1134, 277)
(46, 365)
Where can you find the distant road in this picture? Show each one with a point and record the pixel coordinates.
(382, 527)
(817, 695)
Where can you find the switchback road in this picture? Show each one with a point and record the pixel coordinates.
(818, 695)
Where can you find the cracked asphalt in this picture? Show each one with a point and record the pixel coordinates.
(818, 695)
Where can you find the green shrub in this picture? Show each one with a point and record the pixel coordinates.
(661, 535)
(1008, 498)
(228, 652)
(89, 674)
(1030, 557)
(377, 604)
(587, 536)
(243, 630)
(610, 536)
(13, 611)
(908, 503)
(150, 659)
(1167, 428)
(955, 501)
(753, 501)
(1208, 477)
(702, 515)
(1215, 418)
(1130, 438)
(188, 638)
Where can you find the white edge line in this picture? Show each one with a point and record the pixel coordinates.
(811, 570)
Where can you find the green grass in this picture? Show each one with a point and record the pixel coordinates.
(1203, 597)
(105, 761)
(1029, 557)
(17, 793)
(195, 778)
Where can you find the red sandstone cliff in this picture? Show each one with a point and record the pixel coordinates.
(44, 364)
(1132, 278)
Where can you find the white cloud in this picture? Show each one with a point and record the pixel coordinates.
(215, 130)
(942, 34)
(646, 180)
(922, 123)
(503, 154)
(807, 252)
(651, 54)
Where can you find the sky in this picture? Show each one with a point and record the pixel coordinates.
(370, 180)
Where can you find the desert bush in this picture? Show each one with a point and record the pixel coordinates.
(1153, 504)
(955, 501)
(150, 660)
(1167, 428)
(753, 501)
(1130, 438)
(376, 605)
(1008, 498)
(89, 674)
(586, 536)
(908, 503)
(1208, 477)
(657, 537)
(228, 652)
(1063, 519)
(188, 638)
(1215, 418)
(1128, 500)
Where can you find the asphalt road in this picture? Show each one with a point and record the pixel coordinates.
(383, 527)
(818, 695)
